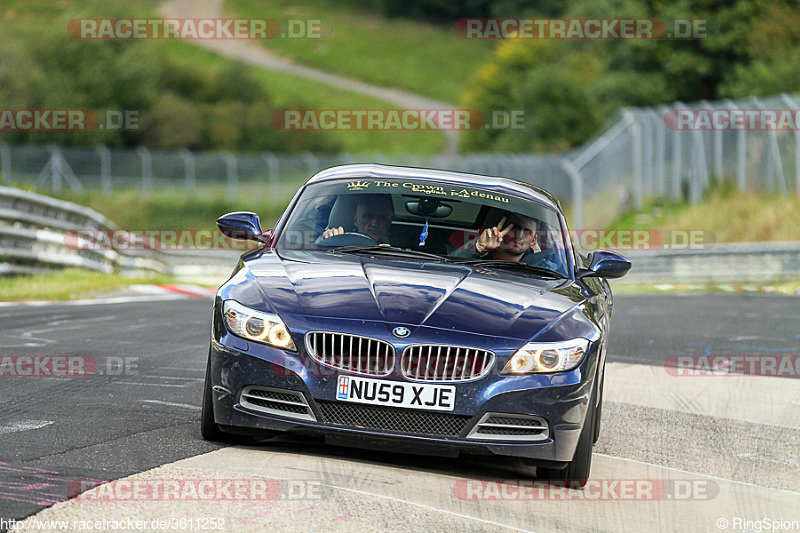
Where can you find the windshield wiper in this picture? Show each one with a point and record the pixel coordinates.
(515, 265)
(388, 250)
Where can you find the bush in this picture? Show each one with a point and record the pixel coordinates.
(568, 87)
(225, 108)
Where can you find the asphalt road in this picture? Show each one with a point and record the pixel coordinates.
(117, 421)
(100, 426)
(648, 329)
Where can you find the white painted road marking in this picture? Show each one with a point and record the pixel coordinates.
(377, 493)
(24, 425)
(96, 301)
(151, 384)
(173, 404)
(150, 293)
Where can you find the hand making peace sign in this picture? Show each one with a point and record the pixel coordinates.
(492, 238)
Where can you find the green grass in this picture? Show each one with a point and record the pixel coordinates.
(729, 216)
(422, 58)
(22, 20)
(66, 285)
(288, 89)
(133, 210)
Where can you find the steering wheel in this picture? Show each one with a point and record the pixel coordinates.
(351, 238)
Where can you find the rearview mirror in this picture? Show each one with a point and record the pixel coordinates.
(606, 265)
(428, 207)
(243, 225)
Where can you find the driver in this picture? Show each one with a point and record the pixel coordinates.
(514, 242)
(373, 217)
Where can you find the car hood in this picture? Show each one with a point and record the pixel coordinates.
(400, 291)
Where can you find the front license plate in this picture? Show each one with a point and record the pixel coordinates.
(396, 393)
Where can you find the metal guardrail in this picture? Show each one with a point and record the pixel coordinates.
(34, 238)
(764, 262)
(205, 267)
(721, 262)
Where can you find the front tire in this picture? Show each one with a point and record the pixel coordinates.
(599, 411)
(208, 428)
(577, 471)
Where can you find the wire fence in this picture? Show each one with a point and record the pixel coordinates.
(672, 152)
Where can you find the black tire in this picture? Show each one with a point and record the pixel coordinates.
(577, 471)
(598, 415)
(208, 428)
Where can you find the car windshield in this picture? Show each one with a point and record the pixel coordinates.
(445, 221)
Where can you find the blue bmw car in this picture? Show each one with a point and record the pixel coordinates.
(420, 310)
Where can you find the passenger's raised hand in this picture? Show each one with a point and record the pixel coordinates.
(492, 237)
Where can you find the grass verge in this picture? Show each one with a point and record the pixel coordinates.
(67, 284)
(730, 216)
(423, 58)
(134, 210)
(288, 90)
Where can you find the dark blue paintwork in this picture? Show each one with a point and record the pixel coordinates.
(242, 225)
(608, 264)
(440, 303)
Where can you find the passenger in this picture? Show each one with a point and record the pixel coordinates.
(514, 242)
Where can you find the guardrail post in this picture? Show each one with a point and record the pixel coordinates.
(189, 175)
(311, 162)
(105, 169)
(741, 152)
(232, 174)
(147, 168)
(777, 164)
(790, 101)
(52, 170)
(5, 163)
(577, 192)
(695, 188)
(661, 149)
(273, 172)
(699, 174)
(636, 134)
(677, 160)
(701, 181)
(59, 171)
(717, 145)
(647, 154)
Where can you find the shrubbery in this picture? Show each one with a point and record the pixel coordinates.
(568, 88)
(178, 105)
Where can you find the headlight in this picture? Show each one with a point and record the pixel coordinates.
(256, 326)
(544, 357)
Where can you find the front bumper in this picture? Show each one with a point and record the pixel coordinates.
(562, 400)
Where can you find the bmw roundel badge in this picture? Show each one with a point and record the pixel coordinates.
(401, 332)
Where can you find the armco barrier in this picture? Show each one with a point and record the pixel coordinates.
(32, 238)
(721, 262)
(33, 228)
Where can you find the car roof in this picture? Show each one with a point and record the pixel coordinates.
(494, 183)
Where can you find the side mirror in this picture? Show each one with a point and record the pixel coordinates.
(606, 265)
(243, 225)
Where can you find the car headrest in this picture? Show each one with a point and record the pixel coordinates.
(493, 216)
(344, 208)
